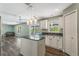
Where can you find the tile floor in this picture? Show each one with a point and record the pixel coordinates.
(9, 47)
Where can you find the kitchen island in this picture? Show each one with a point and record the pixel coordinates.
(32, 47)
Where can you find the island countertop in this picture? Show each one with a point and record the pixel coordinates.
(28, 37)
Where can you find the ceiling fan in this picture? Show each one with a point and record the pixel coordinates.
(29, 4)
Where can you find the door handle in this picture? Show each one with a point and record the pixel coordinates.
(72, 37)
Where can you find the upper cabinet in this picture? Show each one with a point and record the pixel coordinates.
(61, 22)
(54, 24)
(44, 24)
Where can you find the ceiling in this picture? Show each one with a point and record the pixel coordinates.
(13, 10)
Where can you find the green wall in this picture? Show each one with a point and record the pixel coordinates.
(23, 30)
(7, 28)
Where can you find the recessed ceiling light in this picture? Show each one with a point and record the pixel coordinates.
(56, 9)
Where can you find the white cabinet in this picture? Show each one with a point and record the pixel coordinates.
(54, 41)
(26, 47)
(61, 22)
(60, 43)
(43, 24)
(70, 34)
(53, 22)
(41, 47)
(47, 41)
(32, 48)
(0, 38)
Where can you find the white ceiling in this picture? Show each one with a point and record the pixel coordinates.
(13, 10)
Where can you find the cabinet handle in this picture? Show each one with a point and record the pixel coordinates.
(50, 39)
(59, 37)
(58, 40)
(53, 36)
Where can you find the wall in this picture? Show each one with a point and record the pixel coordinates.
(5, 19)
(23, 29)
(71, 8)
(7, 28)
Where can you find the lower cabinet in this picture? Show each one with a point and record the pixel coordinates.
(60, 43)
(0, 38)
(54, 41)
(41, 47)
(32, 48)
(26, 47)
(47, 41)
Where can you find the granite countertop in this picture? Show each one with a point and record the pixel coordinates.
(51, 33)
(27, 37)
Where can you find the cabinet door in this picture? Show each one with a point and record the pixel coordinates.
(74, 34)
(61, 22)
(40, 22)
(26, 47)
(68, 35)
(41, 48)
(53, 42)
(43, 24)
(59, 42)
(71, 33)
(47, 41)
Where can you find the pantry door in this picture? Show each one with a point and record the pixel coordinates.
(70, 33)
